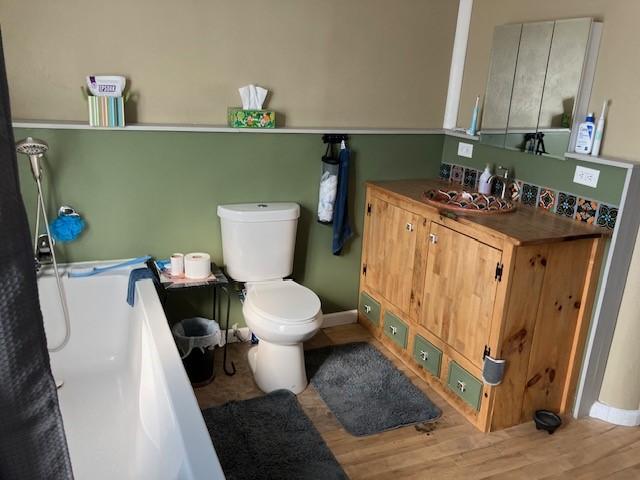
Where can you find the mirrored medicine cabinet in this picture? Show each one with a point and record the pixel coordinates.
(539, 85)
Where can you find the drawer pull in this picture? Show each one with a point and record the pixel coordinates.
(433, 237)
(424, 355)
(462, 386)
(394, 330)
(367, 308)
(409, 227)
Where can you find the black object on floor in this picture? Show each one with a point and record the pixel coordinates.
(546, 420)
(269, 437)
(365, 391)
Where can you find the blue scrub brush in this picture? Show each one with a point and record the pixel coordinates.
(67, 226)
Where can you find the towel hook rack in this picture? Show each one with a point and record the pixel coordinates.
(333, 138)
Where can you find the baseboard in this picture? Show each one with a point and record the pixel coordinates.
(617, 416)
(340, 318)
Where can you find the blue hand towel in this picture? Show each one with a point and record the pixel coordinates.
(135, 275)
(341, 229)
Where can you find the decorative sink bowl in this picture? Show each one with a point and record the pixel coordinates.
(468, 202)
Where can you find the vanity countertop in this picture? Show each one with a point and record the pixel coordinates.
(527, 225)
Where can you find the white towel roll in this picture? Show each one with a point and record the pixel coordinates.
(197, 265)
(177, 265)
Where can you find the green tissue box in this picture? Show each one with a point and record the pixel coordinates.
(239, 118)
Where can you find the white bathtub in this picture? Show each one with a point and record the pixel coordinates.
(128, 409)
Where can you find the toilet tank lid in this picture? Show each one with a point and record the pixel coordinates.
(259, 212)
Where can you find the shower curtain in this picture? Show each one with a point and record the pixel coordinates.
(32, 439)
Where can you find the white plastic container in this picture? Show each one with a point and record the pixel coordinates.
(484, 185)
(258, 239)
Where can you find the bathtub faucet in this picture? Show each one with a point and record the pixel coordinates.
(43, 255)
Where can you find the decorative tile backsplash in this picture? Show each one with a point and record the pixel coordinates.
(607, 216)
(587, 210)
(529, 194)
(565, 204)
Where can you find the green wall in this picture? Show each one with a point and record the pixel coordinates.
(157, 193)
(543, 171)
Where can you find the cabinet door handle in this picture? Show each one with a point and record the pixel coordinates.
(433, 237)
(367, 309)
(394, 330)
(424, 355)
(409, 227)
(462, 386)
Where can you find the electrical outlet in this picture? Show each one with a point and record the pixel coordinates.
(465, 149)
(586, 176)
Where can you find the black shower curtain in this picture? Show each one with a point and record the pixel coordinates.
(32, 440)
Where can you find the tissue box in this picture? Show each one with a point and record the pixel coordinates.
(239, 118)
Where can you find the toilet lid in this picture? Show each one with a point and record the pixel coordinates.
(285, 302)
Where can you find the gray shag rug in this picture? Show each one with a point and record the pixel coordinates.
(365, 391)
(269, 437)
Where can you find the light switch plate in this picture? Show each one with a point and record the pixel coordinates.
(586, 176)
(465, 149)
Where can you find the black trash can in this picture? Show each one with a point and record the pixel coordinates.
(196, 339)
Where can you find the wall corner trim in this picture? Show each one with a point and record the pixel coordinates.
(617, 416)
(458, 57)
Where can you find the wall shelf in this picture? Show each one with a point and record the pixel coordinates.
(460, 133)
(157, 127)
(601, 160)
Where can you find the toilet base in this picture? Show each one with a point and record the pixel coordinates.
(277, 367)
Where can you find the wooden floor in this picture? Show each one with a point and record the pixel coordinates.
(449, 448)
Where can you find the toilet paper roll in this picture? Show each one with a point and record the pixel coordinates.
(177, 265)
(197, 265)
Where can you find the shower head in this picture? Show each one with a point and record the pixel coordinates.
(35, 150)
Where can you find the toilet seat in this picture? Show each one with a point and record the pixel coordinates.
(285, 302)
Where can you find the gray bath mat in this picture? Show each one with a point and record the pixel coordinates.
(365, 391)
(269, 437)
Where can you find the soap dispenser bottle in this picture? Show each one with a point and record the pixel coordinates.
(484, 185)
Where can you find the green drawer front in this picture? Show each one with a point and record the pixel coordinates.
(465, 385)
(428, 356)
(369, 308)
(395, 329)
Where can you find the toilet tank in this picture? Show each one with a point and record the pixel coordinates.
(258, 239)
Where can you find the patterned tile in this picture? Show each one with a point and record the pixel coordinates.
(496, 189)
(445, 171)
(607, 216)
(457, 174)
(566, 204)
(547, 199)
(515, 190)
(470, 178)
(529, 195)
(587, 210)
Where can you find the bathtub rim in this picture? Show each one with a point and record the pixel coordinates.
(202, 457)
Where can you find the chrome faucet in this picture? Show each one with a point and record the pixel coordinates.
(506, 183)
(43, 255)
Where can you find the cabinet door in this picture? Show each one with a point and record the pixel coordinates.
(390, 256)
(459, 290)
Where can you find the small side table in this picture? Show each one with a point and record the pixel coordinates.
(217, 281)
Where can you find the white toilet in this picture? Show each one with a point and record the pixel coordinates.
(258, 241)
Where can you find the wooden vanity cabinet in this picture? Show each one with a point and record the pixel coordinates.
(444, 292)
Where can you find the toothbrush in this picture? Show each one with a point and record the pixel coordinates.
(597, 139)
(473, 128)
